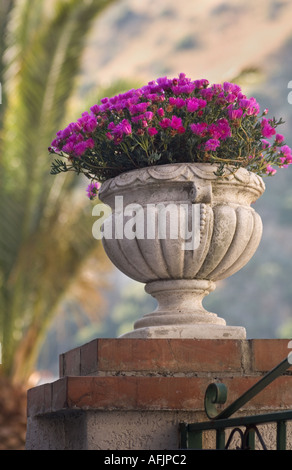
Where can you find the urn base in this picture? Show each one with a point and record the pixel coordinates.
(200, 331)
(180, 313)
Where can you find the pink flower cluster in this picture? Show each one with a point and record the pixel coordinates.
(215, 119)
(150, 109)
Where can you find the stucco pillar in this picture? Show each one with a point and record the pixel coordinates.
(131, 394)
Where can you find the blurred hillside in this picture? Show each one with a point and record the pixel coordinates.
(234, 40)
(212, 39)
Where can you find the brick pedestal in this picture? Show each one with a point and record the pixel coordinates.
(131, 394)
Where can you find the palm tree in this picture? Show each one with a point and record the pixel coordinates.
(45, 234)
(45, 226)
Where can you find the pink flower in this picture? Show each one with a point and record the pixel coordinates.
(202, 103)
(201, 83)
(254, 107)
(55, 143)
(224, 128)
(149, 115)
(90, 143)
(287, 154)
(267, 130)
(123, 127)
(165, 123)
(176, 90)
(212, 144)
(76, 127)
(250, 106)
(126, 127)
(139, 108)
(279, 139)
(207, 94)
(199, 129)
(152, 131)
(160, 112)
(270, 170)
(136, 119)
(286, 150)
(90, 125)
(66, 132)
(217, 88)
(95, 109)
(230, 98)
(213, 131)
(244, 103)
(188, 88)
(192, 105)
(181, 130)
(68, 148)
(220, 129)
(164, 82)
(80, 148)
(92, 190)
(231, 88)
(234, 114)
(180, 103)
(176, 122)
(265, 144)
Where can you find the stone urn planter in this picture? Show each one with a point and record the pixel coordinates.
(179, 228)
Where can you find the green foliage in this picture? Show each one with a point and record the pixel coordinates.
(45, 232)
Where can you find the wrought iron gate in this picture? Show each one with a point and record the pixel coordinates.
(245, 427)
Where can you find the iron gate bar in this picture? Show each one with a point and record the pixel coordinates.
(191, 435)
(217, 396)
(281, 435)
(275, 417)
(246, 442)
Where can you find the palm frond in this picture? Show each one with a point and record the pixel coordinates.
(47, 235)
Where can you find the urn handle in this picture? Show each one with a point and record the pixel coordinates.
(201, 192)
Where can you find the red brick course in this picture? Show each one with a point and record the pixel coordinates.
(170, 356)
(166, 374)
(152, 355)
(268, 353)
(148, 393)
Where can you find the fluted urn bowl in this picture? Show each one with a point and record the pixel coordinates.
(179, 228)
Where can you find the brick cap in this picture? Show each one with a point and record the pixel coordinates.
(171, 356)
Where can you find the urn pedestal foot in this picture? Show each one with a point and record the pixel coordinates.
(180, 313)
(202, 331)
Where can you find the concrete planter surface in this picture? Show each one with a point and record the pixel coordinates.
(180, 228)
